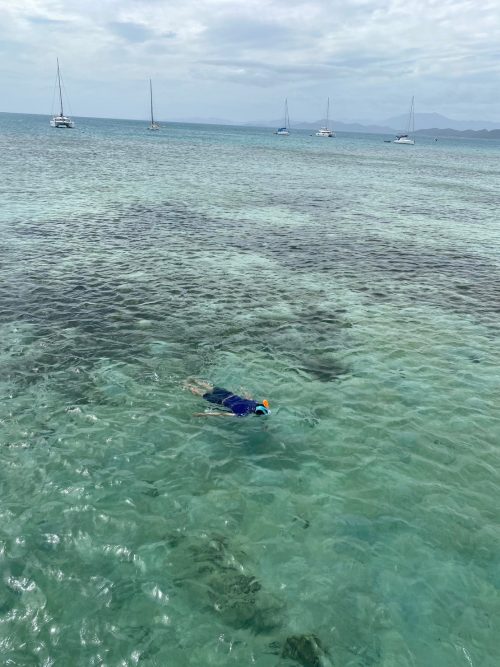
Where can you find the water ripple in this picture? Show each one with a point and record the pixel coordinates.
(355, 287)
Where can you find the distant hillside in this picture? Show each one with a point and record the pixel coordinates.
(430, 123)
(338, 126)
(425, 121)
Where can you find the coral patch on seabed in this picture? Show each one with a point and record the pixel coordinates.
(209, 564)
(306, 650)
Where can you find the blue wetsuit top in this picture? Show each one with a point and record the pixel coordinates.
(240, 406)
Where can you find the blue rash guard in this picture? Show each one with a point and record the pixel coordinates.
(240, 406)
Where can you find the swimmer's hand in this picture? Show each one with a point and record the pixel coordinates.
(214, 414)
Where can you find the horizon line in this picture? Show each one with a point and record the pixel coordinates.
(232, 123)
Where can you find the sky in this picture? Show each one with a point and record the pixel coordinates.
(238, 60)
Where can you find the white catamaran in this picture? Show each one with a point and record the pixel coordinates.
(61, 120)
(325, 131)
(285, 130)
(153, 125)
(408, 138)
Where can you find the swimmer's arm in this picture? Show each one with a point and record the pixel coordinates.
(214, 414)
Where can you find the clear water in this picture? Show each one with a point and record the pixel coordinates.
(353, 283)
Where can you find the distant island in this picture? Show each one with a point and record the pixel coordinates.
(426, 124)
(443, 128)
(440, 132)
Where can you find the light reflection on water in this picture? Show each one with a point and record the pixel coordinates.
(355, 285)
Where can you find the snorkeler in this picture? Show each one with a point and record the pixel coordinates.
(239, 406)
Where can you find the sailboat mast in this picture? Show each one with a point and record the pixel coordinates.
(287, 121)
(151, 98)
(60, 92)
(327, 112)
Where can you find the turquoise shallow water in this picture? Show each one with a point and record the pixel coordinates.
(356, 285)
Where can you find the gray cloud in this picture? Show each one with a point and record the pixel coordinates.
(250, 33)
(239, 59)
(131, 32)
(45, 21)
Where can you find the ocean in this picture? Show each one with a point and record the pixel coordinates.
(353, 283)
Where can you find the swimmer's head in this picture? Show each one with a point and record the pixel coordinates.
(265, 403)
(263, 409)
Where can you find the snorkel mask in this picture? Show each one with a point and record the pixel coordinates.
(263, 409)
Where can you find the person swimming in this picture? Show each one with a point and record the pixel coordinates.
(239, 406)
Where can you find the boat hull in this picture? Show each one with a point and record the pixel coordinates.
(62, 121)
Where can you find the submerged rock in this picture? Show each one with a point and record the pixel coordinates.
(306, 650)
(323, 368)
(242, 603)
(208, 565)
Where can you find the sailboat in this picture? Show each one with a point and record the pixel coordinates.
(285, 130)
(408, 137)
(153, 125)
(61, 120)
(325, 131)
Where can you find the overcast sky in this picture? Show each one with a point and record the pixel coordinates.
(239, 60)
